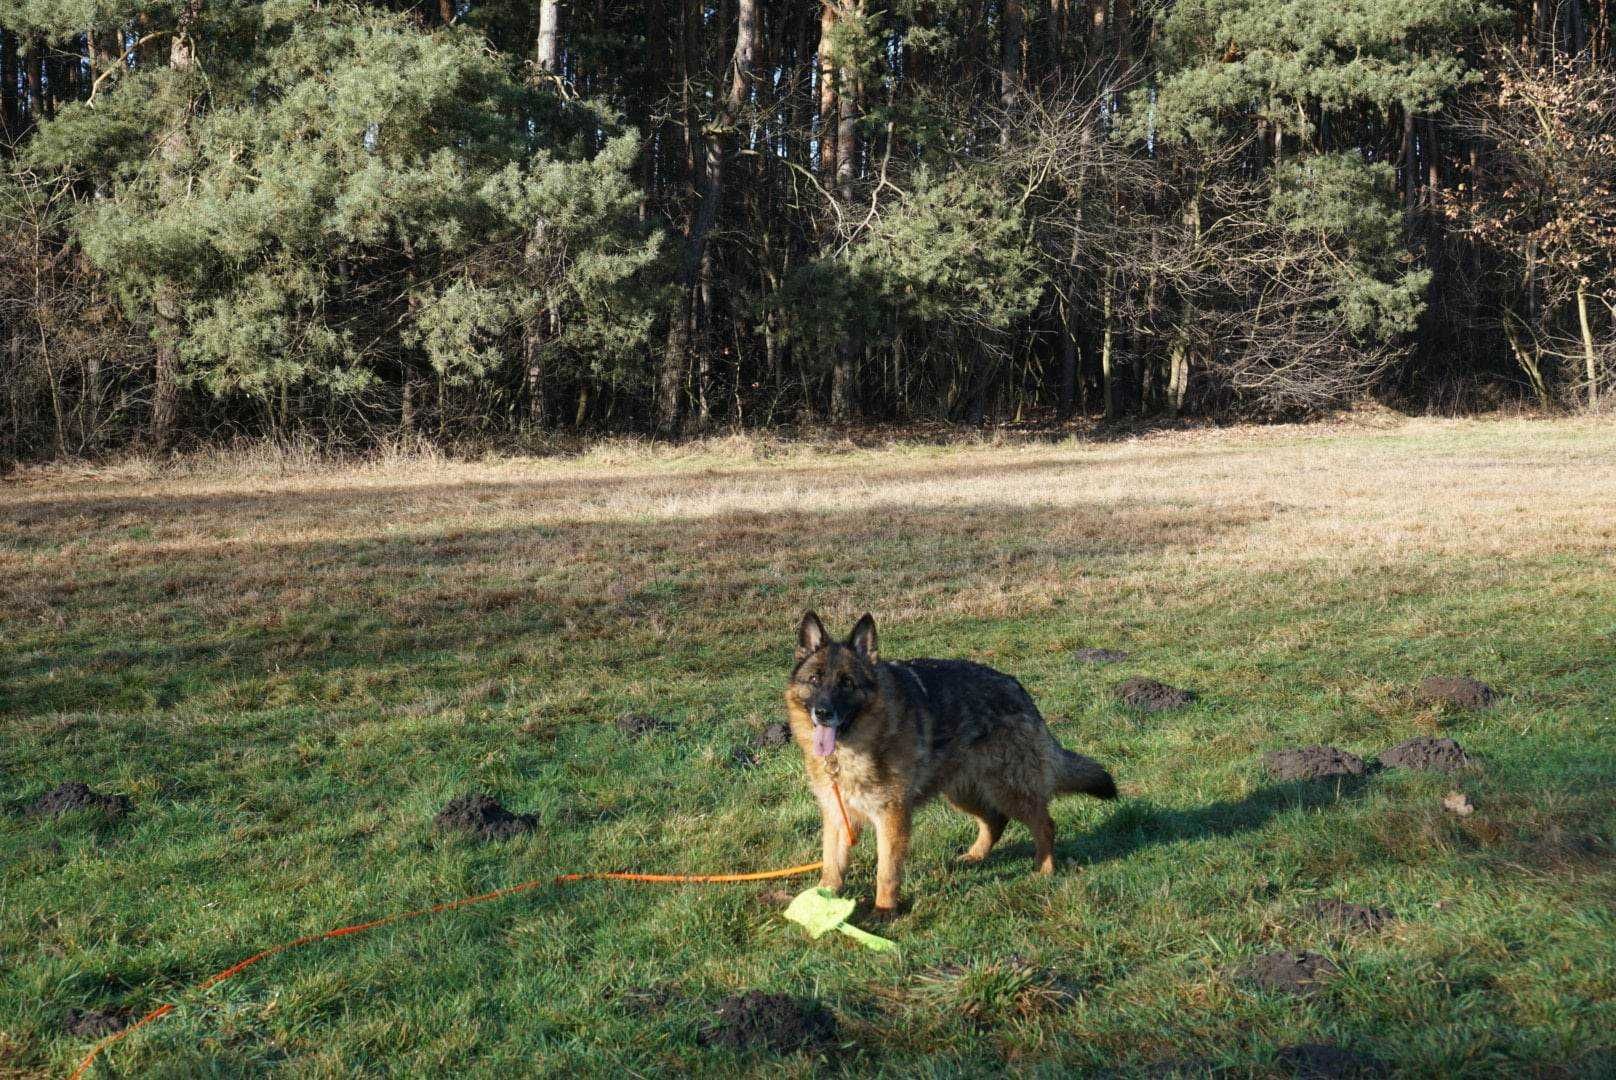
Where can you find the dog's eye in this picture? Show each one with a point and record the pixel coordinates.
(813, 680)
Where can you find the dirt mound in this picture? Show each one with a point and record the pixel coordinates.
(1149, 695)
(1325, 1061)
(481, 816)
(1301, 973)
(773, 737)
(1312, 763)
(1351, 916)
(776, 1022)
(1455, 691)
(1424, 752)
(77, 795)
(639, 725)
(1099, 656)
(96, 1023)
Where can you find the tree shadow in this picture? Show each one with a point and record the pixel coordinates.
(45, 513)
(156, 623)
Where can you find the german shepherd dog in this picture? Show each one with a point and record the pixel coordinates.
(894, 734)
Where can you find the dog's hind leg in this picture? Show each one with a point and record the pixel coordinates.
(1043, 835)
(1033, 812)
(989, 826)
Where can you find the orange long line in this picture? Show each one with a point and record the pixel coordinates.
(449, 905)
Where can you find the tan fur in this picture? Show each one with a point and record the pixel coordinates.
(897, 754)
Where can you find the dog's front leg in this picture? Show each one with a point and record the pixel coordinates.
(838, 848)
(892, 847)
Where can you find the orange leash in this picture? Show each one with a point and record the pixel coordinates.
(465, 901)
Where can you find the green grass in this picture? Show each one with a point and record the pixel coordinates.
(290, 675)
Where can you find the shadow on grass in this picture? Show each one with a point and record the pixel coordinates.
(1569, 833)
(361, 620)
(47, 514)
(1137, 824)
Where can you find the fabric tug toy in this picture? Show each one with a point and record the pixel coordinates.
(821, 911)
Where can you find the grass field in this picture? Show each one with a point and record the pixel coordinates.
(290, 672)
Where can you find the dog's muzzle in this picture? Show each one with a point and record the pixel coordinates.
(827, 726)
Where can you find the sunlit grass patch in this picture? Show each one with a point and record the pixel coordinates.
(291, 671)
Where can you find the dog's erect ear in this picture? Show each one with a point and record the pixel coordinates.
(811, 636)
(862, 639)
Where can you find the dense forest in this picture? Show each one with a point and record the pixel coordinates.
(497, 220)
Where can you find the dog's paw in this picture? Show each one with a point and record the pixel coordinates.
(887, 914)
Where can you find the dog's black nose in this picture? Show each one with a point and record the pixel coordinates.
(827, 716)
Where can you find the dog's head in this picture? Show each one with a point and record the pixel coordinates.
(833, 681)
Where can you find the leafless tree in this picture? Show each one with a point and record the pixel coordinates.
(64, 354)
(1547, 205)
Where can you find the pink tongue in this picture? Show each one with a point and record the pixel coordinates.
(824, 740)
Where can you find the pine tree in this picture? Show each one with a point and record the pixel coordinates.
(358, 204)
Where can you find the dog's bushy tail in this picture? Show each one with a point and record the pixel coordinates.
(1079, 775)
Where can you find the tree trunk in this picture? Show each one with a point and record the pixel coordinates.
(1069, 359)
(668, 400)
(704, 347)
(9, 118)
(1123, 31)
(1015, 20)
(165, 378)
(1528, 362)
(671, 371)
(844, 375)
(14, 384)
(720, 133)
(581, 414)
(827, 91)
(848, 91)
(549, 35)
(1407, 156)
(533, 353)
(406, 407)
(841, 382)
(1179, 377)
(34, 62)
(52, 383)
(1579, 27)
(1590, 358)
(1543, 25)
(549, 40)
(1433, 163)
(1106, 372)
(166, 300)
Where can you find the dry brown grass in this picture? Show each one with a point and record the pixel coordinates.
(1327, 500)
(1423, 482)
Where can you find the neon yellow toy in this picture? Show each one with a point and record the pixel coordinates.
(821, 911)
